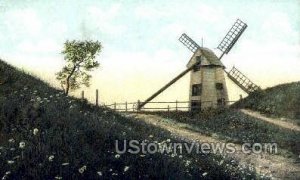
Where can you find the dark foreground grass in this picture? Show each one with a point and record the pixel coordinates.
(47, 135)
(280, 101)
(234, 126)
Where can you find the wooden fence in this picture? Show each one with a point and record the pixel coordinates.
(153, 106)
(156, 106)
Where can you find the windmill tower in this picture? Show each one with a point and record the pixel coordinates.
(207, 81)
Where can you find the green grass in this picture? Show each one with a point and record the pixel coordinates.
(234, 126)
(281, 101)
(80, 134)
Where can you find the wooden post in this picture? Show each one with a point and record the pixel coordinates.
(168, 108)
(115, 106)
(126, 106)
(97, 103)
(241, 97)
(176, 106)
(82, 95)
(138, 105)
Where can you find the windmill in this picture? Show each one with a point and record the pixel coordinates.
(207, 81)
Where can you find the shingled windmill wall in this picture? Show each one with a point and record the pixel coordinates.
(210, 76)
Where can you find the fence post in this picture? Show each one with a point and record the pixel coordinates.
(126, 106)
(97, 97)
(82, 95)
(115, 106)
(176, 106)
(241, 97)
(168, 108)
(138, 105)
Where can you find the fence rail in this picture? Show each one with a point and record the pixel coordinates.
(155, 105)
(158, 106)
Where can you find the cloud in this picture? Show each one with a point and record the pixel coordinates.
(281, 27)
(46, 45)
(23, 21)
(104, 19)
(149, 12)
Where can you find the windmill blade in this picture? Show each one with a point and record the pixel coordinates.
(232, 36)
(242, 81)
(189, 43)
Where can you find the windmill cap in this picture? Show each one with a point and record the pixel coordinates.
(208, 54)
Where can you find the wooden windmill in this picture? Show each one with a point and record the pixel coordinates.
(207, 83)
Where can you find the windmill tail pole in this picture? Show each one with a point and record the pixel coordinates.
(142, 104)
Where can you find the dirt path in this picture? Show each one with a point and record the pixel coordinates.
(276, 166)
(276, 121)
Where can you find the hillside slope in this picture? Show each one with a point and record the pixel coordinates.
(47, 135)
(282, 100)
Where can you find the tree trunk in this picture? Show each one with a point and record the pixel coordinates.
(68, 80)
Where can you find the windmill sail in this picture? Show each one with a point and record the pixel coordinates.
(242, 81)
(189, 43)
(232, 36)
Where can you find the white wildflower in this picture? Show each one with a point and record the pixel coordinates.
(204, 174)
(117, 156)
(168, 140)
(35, 131)
(16, 157)
(114, 174)
(25, 88)
(51, 158)
(11, 140)
(65, 164)
(126, 168)
(10, 162)
(180, 156)
(51, 96)
(12, 149)
(151, 136)
(187, 163)
(99, 173)
(82, 169)
(22, 144)
(58, 177)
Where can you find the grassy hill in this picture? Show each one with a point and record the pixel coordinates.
(282, 100)
(47, 135)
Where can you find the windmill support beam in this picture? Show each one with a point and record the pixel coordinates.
(142, 104)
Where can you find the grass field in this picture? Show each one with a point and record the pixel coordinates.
(47, 135)
(280, 101)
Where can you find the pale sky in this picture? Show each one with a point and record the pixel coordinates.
(140, 38)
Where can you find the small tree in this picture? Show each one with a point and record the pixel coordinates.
(80, 58)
